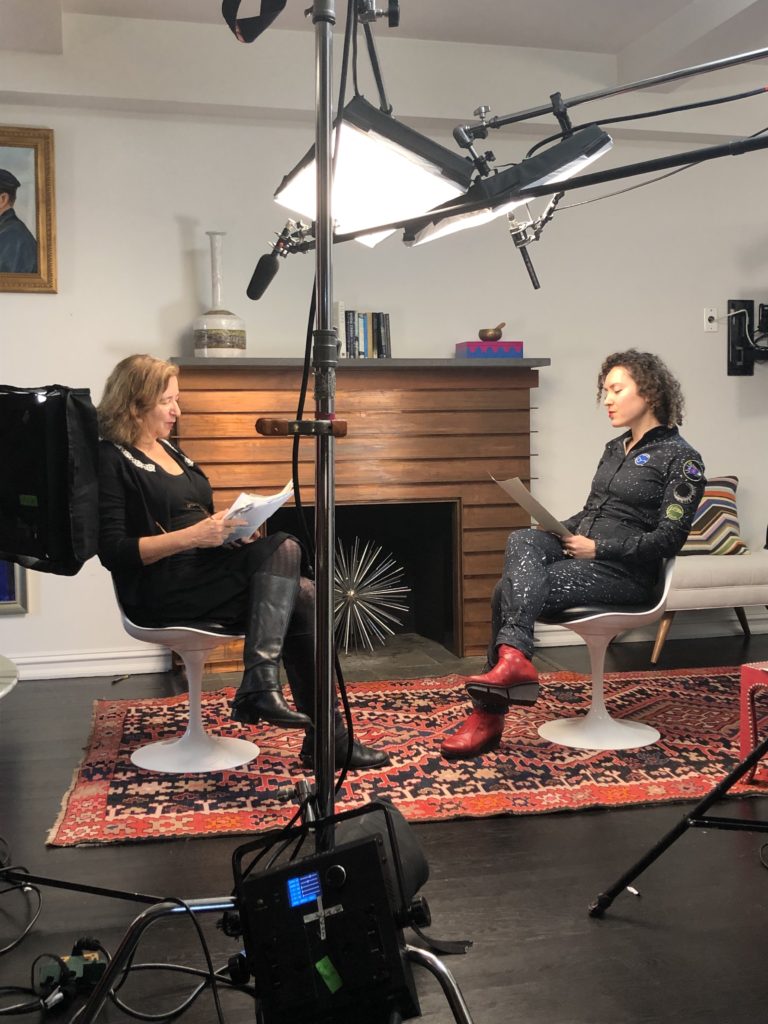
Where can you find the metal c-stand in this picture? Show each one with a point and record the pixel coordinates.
(324, 429)
(696, 818)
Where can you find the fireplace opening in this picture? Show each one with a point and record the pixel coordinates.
(422, 537)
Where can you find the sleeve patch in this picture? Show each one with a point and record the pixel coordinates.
(693, 470)
(684, 492)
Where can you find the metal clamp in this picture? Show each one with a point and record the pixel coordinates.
(270, 427)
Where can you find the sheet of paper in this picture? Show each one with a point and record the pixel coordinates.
(517, 490)
(255, 509)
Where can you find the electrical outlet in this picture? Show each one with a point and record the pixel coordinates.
(710, 319)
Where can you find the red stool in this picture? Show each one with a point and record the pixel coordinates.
(753, 678)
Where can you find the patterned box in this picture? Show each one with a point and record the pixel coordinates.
(753, 677)
(489, 350)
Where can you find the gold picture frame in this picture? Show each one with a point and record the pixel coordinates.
(27, 153)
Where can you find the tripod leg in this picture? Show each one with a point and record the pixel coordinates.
(130, 940)
(605, 899)
(447, 981)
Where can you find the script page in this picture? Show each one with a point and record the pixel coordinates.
(517, 490)
(255, 509)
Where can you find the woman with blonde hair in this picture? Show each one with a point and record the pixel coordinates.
(173, 560)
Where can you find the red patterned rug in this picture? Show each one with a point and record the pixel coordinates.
(696, 711)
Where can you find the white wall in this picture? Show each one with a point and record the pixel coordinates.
(163, 132)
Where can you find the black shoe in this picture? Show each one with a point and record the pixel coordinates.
(270, 706)
(362, 756)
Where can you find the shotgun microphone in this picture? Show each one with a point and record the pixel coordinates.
(269, 263)
(265, 270)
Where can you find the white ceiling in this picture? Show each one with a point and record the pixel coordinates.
(600, 26)
(604, 26)
(648, 37)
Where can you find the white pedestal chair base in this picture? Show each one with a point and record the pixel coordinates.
(599, 732)
(197, 750)
(201, 753)
(598, 626)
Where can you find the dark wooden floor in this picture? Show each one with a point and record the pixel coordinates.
(692, 948)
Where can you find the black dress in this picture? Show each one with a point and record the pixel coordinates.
(138, 498)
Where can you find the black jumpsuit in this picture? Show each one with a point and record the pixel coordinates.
(639, 511)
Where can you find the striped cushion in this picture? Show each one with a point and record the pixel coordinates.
(715, 529)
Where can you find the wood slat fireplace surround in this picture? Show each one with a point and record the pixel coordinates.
(419, 430)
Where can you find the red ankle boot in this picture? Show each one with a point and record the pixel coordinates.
(512, 680)
(481, 732)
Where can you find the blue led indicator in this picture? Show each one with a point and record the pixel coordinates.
(303, 889)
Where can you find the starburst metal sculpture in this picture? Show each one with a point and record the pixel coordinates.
(368, 595)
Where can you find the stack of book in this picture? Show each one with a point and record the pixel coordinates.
(362, 335)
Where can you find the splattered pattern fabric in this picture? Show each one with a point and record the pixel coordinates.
(639, 511)
(539, 580)
(642, 502)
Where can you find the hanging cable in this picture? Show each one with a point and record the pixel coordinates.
(352, 8)
(384, 105)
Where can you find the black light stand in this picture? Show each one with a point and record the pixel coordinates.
(694, 819)
(325, 359)
(325, 428)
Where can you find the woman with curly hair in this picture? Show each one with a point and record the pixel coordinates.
(645, 492)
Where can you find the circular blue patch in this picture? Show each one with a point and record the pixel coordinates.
(641, 460)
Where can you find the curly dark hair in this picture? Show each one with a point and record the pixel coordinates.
(655, 383)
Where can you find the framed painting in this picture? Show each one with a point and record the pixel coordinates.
(13, 589)
(27, 210)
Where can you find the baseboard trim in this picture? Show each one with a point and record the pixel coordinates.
(82, 664)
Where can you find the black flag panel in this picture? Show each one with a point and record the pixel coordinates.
(248, 29)
(49, 498)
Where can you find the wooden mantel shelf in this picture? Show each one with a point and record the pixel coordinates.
(419, 430)
(246, 362)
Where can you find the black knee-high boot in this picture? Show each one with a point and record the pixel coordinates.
(260, 695)
(299, 664)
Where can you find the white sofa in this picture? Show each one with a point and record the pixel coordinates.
(715, 581)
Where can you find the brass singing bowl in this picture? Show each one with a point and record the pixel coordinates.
(491, 333)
